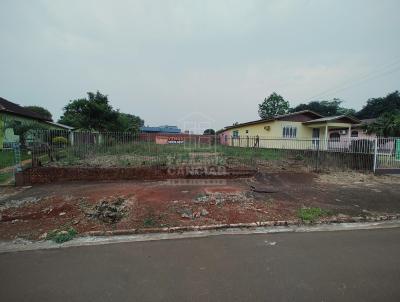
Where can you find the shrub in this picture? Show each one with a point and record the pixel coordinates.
(62, 236)
(60, 140)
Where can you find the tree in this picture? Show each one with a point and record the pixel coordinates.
(377, 106)
(95, 113)
(209, 132)
(42, 111)
(273, 105)
(388, 124)
(129, 122)
(325, 108)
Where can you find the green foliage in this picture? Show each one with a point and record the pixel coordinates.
(95, 113)
(273, 105)
(24, 128)
(130, 122)
(325, 108)
(377, 106)
(60, 236)
(40, 110)
(149, 222)
(60, 141)
(7, 158)
(209, 132)
(311, 214)
(388, 124)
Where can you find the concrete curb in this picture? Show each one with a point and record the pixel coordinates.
(21, 245)
(193, 228)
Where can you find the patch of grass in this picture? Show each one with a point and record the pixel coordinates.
(311, 214)
(149, 222)
(60, 236)
(7, 158)
(6, 177)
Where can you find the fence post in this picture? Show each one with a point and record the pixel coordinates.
(375, 152)
(317, 160)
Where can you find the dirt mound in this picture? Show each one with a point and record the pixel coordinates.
(108, 211)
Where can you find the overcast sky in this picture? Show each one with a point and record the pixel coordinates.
(164, 60)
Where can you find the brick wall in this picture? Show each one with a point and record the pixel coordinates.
(41, 175)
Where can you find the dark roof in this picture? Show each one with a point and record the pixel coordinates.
(13, 108)
(277, 117)
(161, 129)
(352, 120)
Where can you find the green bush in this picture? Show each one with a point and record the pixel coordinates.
(59, 236)
(59, 140)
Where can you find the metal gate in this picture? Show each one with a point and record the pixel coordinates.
(387, 155)
(10, 163)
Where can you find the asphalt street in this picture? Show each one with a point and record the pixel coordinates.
(361, 265)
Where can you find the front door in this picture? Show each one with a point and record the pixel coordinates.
(315, 137)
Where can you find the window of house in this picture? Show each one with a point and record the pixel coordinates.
(235, 133)
(334, 136)
(289, 132)
(247, 131)
(354, 133)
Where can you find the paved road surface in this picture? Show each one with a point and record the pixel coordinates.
(321, 266)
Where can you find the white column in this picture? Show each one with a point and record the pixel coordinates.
(349, 136)
(326, 136)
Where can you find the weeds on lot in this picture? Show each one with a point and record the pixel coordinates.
(311, 214)
(149, 222)
(60, 236)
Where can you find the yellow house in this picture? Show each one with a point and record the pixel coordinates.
(299, 130)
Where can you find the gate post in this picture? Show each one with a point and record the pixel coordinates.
(375, 152)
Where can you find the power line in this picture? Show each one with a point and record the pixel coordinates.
(379, 72)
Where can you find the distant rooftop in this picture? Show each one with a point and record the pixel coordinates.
(160, 129)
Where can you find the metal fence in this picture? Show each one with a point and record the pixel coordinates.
(11, 161)
(313, 154)
(117, 149)
(120, 149)
(387, 153)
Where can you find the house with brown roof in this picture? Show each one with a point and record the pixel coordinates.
(12, 115)
(302, 129)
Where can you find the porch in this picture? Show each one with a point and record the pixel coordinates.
(320, 132)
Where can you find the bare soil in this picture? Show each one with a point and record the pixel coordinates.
(30, 212)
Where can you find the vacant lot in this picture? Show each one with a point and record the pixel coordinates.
(31, 212)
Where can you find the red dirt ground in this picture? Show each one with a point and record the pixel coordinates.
(32, 211)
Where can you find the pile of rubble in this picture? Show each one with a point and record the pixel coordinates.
(218, 198)
(108, 210)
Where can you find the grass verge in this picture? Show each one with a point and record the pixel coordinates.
(311, 214)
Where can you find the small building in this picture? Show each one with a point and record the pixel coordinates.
(161, 129)
(308, 128)
(12, 114)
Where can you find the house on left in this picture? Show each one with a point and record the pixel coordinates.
(13, 115)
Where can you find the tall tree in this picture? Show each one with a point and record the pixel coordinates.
(377, 106)
(273, 105)
(95, 113)
(42, 111)
(325, 108)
